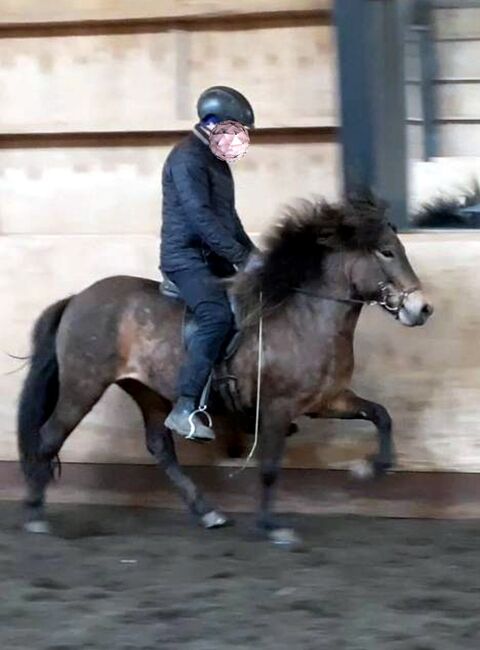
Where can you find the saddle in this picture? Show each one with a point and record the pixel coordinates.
(221, 381)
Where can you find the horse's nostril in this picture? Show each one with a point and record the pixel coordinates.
(427, 310)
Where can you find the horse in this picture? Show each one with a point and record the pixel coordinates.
(319, 265)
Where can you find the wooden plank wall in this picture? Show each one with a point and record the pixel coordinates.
(93, 97)
(30, 13)
(94, 94)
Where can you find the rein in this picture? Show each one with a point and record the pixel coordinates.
(259, 392)
(383, 301)
(319, 296)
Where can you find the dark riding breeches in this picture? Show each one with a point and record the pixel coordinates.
(206, 297)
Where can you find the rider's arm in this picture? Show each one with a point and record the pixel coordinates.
(242, 236)
(191, 182)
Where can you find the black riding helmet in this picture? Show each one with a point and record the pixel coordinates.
(226, 104)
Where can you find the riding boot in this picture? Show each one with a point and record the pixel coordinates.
(185, 421)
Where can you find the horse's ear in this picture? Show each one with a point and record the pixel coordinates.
(383, 206)
(355, 194)
(360, 194)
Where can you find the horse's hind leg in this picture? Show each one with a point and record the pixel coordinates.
(72, 406)
(160, 444)
(349, 406)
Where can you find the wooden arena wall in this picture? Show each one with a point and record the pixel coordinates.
(93, 96)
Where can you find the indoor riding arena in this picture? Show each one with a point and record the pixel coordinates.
(348, 95)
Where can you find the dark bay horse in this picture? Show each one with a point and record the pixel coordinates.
(319, 266)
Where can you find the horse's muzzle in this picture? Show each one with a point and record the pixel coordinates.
(415, 310)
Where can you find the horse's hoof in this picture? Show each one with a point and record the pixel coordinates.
(370, 468)
(382, 469)
(286, 538)
(37, 527)
(214, 519)
(362, 470)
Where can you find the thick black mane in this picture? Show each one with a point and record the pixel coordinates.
(295, 249)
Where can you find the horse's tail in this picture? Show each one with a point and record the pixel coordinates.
(40, 390)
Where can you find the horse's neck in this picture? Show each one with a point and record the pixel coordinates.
(325, 313)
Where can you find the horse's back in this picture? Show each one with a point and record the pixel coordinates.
(118, 292)
(120, 286)
(97, 316)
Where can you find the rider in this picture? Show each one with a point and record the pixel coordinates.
(202, 240)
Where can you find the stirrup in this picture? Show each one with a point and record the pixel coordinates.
(201, 410)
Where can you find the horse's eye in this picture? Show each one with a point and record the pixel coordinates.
(387, 253)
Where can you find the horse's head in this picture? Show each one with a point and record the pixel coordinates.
(345, 252)
(382, 273)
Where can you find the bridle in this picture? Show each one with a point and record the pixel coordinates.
(399, 302)
(384, 299)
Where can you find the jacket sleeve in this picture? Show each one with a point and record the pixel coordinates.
(191, 182)
(242, 236)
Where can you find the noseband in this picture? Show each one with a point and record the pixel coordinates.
(385, 302)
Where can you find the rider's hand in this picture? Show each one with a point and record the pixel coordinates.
(253, 263)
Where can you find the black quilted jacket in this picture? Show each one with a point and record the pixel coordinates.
(200, 224)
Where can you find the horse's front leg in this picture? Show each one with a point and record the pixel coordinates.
(349, 406)
(275, 422)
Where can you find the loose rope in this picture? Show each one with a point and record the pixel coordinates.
(259, 391)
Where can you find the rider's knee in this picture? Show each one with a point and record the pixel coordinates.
(216, 315)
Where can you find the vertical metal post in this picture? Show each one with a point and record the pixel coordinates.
(390, 113)
(428, 73)
(352, 18)
(370, 38)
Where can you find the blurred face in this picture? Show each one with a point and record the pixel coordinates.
(229, 141)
